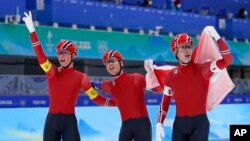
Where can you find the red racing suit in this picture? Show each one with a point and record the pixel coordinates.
(188, 85)
(128, 93)
(65, 84)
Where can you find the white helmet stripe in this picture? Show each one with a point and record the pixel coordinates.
(188, 39)
(66, 44)
(111, 53)
(176, 40)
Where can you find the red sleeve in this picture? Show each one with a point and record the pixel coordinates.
(163, 109)
(99, 100)
(45, 64)
(227, 57)
(86, 84)
(37, 48)
(103, 101)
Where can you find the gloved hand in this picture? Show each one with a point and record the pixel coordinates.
(148, 65)
(29, 22)
(159, 132)
(97, 85)
(211, 30)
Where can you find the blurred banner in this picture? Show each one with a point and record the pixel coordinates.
(14, 40)
(38, 85)
(11, 101)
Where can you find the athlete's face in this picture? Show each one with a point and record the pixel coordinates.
(64, 57)
(113, 65)
(184, 53)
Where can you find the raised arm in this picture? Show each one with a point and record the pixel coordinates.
(45, 64)
(227, 57)
(94, 95)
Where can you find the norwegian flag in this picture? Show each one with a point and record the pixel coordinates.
(155, 76)
(220, 83)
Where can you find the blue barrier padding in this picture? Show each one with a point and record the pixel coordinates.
(162, 4)
(12, 7)
(237, 28)
(214, 6)
(83, 100)
(131, 17)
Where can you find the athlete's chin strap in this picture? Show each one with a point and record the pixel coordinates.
(180, 60)
(69, 62)
(119, 72)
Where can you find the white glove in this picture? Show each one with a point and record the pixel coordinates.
(29, 22)
(159, 132)
(211, 30)
(148, 65)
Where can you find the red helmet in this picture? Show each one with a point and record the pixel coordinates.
(68, 45)
(112, 53)
(180, 39)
